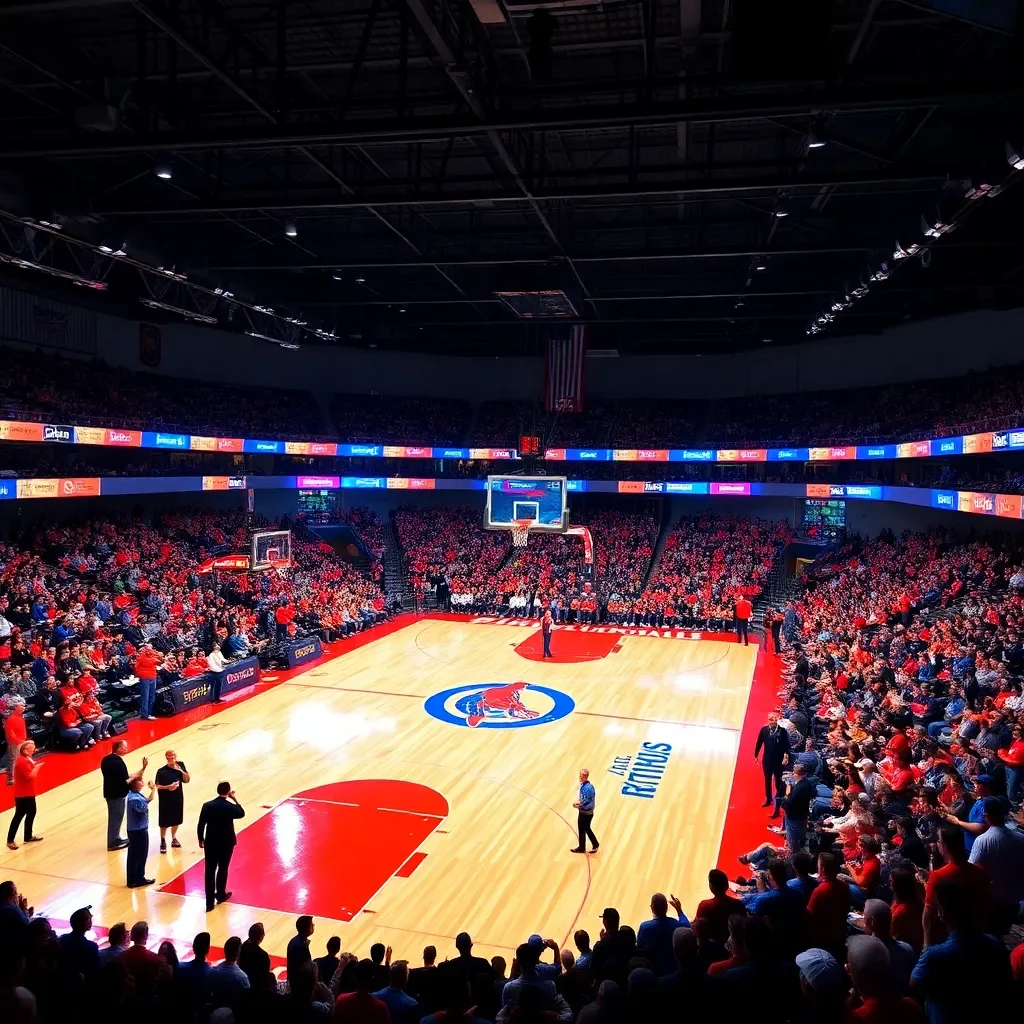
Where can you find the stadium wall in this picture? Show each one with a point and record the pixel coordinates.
(945, 347)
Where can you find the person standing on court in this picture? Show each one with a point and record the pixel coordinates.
(585, 806)
(774, 740)
(742, 609)
(545, 628)
(25, 772)
(170, 777)
(116, 782)
(217, 841)
(138, 832)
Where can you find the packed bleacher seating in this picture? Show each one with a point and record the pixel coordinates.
(991, 400)
(82, 603)
(37, 386)
(450, 544)
(408, 421)
(366, 523)
(707, 562)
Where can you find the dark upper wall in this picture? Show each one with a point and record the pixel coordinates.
(936, 348)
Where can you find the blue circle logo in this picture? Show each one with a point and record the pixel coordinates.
(499, 705)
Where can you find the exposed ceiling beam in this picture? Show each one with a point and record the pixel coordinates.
(792, 102)
(676, 191)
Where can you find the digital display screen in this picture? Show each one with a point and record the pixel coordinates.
(541, 500)
(317, 505)
(824, 517)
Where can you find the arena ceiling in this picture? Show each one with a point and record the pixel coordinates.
(428, 154)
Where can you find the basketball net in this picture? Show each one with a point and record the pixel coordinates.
(281, 567)
(521, 532)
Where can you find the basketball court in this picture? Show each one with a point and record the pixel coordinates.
(373, 803)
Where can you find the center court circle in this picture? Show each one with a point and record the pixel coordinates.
(499, 705)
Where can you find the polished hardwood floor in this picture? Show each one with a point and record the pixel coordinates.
(482, 840)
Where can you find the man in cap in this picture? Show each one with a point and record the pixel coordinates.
(822, 984)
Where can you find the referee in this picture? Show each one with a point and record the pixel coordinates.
(585, 805)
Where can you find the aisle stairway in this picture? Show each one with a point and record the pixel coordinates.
(396, 576)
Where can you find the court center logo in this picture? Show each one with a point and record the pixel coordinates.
(499, 705)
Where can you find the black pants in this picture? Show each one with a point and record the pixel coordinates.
(776, 640)
(780, 786)
(24, 807)
(741, 631)
(217, 862)
(138, 852)
(584, 822)
(547, 643)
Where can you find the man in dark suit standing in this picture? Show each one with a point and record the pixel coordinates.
(545, 628)
(217, 840)
(775, 741)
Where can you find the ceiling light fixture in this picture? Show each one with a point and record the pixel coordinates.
(188, 314)
(291, 230)
(815, 141)
(781, 211)
(1015, 156)
(164, 171)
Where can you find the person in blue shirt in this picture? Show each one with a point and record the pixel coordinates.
(974, 826)
(585, 805)
(782, 906)
(402, 1007)
(80, 954)
(805, 882)
(654, 937)
(191, 976)
(138, 833)
(967, 974)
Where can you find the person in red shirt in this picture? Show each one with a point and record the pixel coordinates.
(722, 905)
(147, 664)
(283, 615)
(15, 733)
(360, 1007)
(743, 609)
(828, 908)
(143, 965)
(70, 724)
(25, 772)
(956, 869)
(1013, 762)
(864, 871)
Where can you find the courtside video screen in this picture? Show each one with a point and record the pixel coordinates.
(540, 498)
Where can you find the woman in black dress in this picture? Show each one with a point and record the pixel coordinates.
(170, 777)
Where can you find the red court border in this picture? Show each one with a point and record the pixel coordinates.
(742, 830)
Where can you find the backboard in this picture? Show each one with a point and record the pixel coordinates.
(512, 499)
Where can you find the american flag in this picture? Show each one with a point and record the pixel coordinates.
(563, 373)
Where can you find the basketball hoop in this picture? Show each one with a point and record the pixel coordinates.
(521, 532)
(281, 567)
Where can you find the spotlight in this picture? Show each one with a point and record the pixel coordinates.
(360, 280)
(164, 171)
(337, 276)
(1015, 156)
(815, 142)
(402, 309)
(291, 230)
(781, 211)
(760, 265)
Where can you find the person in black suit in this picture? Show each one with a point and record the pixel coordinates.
(775, 742)
(217, 840)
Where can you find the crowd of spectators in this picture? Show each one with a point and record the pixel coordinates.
(991, 400)
(448, 547)
(408, 421)
(891, 886)
(97, 616)
(44, 387)
(902, 710)
(37, 386)
(708, 561)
